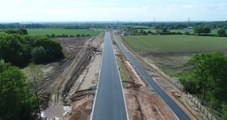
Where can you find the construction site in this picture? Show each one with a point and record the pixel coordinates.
(72, 83)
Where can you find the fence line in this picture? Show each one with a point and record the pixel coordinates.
(206, 113)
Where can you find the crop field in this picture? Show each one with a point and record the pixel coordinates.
(175, 43)
(42, 32)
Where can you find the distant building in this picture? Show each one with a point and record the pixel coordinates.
(188, 28)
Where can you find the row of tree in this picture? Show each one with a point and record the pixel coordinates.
(119, 25)
(208, 79)
(201, 31)
(16, 31)
(164, 31)
(20, 50)
(66, 36)
(206, 31)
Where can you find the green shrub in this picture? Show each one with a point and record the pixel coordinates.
(16, 101)
(38, 55)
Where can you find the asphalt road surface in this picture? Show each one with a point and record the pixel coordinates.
(109, 102)
(175, 108)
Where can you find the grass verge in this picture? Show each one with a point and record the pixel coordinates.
(123, 72)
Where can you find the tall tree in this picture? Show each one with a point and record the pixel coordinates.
(210, 75)
(16, 101)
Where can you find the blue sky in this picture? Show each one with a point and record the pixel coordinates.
(112, 10)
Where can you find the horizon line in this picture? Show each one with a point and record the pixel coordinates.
(123, 21)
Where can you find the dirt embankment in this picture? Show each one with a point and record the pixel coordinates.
(55, 87)
(142, 102)
(82, 94)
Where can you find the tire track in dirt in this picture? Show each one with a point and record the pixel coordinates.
(55, 87)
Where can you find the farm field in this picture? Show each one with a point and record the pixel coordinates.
(175, 43)
(171, 52)
(42, 32)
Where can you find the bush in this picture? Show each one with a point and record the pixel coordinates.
(18, 49)
(53, 49)
(187, 33)
(38, 55)
(202, 30)
(14, 49)
(221, 33)
(16, 31)
(189, 85)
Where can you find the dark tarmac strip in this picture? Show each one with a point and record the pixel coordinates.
(153, 85)
(109, 101)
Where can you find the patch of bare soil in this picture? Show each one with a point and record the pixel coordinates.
(82, 93)
(81, 109)
(142, 102)
(55, 87)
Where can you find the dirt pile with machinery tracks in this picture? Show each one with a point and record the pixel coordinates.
(54, 87)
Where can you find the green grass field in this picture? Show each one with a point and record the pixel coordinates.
(42, 32)
(175, 43)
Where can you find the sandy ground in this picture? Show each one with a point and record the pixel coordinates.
(54, 88)
(81, 99)
(81, 109)
(91, 77)
(142, 102)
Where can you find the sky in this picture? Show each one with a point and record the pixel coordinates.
(112, 10)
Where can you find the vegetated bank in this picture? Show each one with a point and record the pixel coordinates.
(202, 75)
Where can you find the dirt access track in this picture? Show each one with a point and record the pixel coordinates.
(54, 88)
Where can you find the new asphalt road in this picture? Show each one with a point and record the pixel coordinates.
(175, 108)
(109, 102)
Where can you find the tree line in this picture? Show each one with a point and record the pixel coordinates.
(119, 25)
(208, 80)
(21, 49)
(67, 36)
(200, 31)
